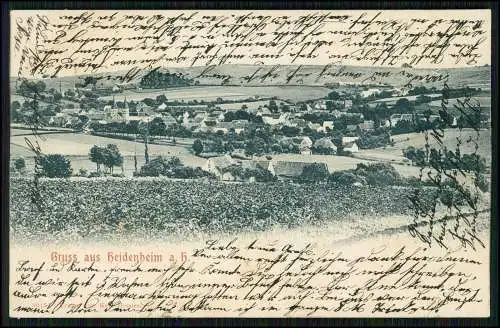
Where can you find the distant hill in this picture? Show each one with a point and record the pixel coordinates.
(306, 75)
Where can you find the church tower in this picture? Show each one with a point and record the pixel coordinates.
(126, 110)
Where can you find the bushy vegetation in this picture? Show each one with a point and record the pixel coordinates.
(446, 159)
(376, 139)
(376, 174)
(156, 206)
(55, 166)
(170, 167)
(158, 80)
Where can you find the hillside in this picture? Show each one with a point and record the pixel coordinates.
(255, 75)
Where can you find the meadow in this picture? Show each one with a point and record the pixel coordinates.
(211, 93)
(76, 148)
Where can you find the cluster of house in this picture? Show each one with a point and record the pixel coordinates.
(66, 118)
(222, 166)
(106, 87)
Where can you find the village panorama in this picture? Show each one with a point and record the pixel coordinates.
(171, 152)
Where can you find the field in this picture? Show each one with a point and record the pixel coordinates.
(79, 144)
(81, 208)
(211, 93)
(76, 147)
(481, 76)
(483, 101)
(89, 207)
(250, 104)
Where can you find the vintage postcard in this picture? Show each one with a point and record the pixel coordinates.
(250, 163)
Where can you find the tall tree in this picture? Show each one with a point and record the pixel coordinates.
(96, 155)
(197, 146)
(112, 157)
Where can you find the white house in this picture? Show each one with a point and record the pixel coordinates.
(367, 126)
(346, 140)
(305, 146)
(321, 105)
(275, 119)
(351, 146)
(370, 92)
(326, 124)
(162, 107)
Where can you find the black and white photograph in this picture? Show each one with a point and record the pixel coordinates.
(250, 163)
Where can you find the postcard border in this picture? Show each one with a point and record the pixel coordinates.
(483, 322)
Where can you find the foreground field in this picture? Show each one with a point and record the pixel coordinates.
(93, 206)
(151, 207)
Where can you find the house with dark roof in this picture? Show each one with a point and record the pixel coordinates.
(255, 164)
(286, 170)
(325, 144)
(217, 166)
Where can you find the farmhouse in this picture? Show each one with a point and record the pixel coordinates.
(217, 165)
(352, 147)
(347, 103)
(275, 119)
(320, 105)
(162, 107)
(239, 153)
(297, 122)
(261, 111)
(314, 126)
(188, 107)
(238, 126)
(285, 170)
(217, 115)
(325, 144)
(58, 120)
(168, 119)
(352, 127)
(142, 108)
(395, 118)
